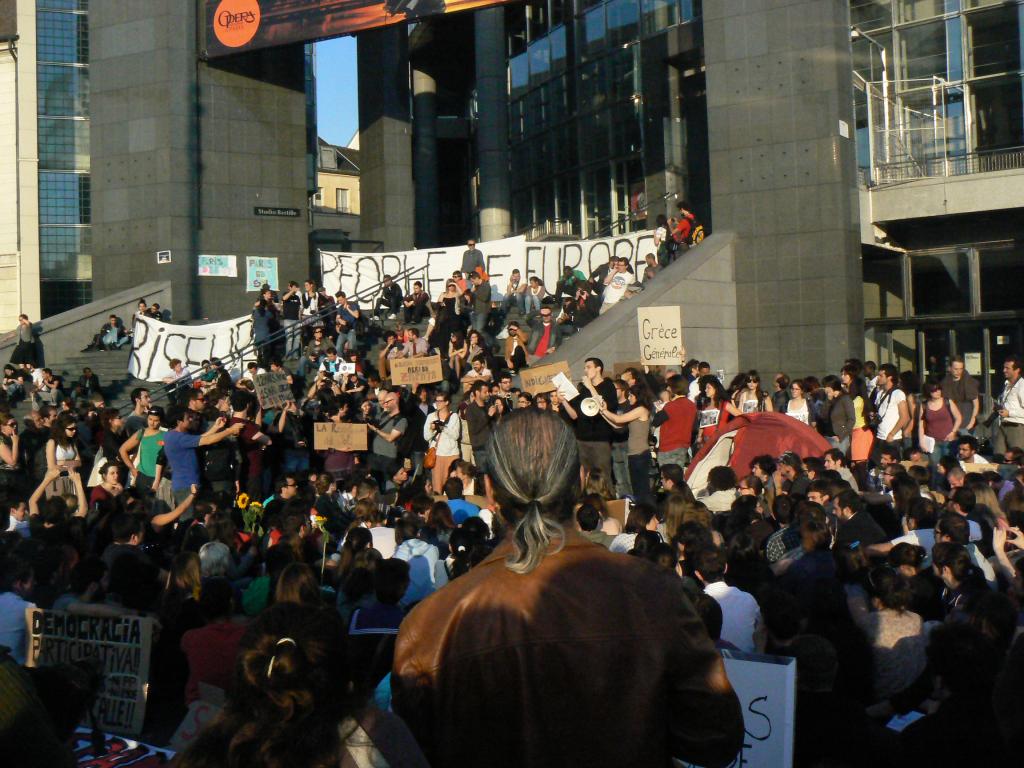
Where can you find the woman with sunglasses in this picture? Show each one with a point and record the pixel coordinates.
(10, 474)
(62, 452)
(749, 397)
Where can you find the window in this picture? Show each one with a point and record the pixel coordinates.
(518, 75)
(916, 10)
(924, 50)
(659, 14)
(62, 37)
(623, 16)
(870, 14)
(63, 144)
(64, 198)
(342, 201)
(594, 32)
(540, 60)
(998, 107)
(63, 90)
(883, 285)
(318, 198)
(940, 283)
(62, 295)
(994, 41)
(328, 158)
(1002, 273)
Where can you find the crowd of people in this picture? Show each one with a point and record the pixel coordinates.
(494, 556)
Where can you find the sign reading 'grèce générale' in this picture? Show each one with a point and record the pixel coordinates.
(661, 335)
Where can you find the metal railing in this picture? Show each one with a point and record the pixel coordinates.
(959, 165)
(283, 334)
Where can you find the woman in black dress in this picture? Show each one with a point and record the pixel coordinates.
(25, 352)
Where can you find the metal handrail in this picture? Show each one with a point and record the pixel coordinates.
(966, 164)
(282, 334)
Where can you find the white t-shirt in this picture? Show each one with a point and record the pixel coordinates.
(889, 413)
(615, 289)
(740, 614)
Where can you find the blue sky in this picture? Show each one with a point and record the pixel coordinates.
(337, 110)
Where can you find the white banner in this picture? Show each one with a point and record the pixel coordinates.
(155, 344)
(353, 272)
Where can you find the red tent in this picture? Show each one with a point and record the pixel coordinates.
(750, 435)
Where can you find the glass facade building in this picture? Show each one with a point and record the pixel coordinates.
(65, 260)
(582, 92)
(939, 92)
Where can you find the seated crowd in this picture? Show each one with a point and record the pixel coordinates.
(349, 601)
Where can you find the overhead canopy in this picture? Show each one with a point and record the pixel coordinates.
(750, 435)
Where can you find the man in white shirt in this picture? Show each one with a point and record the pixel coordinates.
(893, 411)
(702, 369)
(16, 582)
(615, 284)
(1009, 432)
(741, 616)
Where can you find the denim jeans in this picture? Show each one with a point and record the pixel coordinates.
(514, 298)
(620, 468)
(532, 303)
(640, 476)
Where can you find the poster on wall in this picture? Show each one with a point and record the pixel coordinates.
(260, 271)
(218, 266)
(233, 26)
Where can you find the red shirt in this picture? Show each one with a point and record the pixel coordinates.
(251, 449)
(677, 431)
(211, 652)
(545, 340)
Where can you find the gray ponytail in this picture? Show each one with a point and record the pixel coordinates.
(534, 465)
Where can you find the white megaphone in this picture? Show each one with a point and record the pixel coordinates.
(590, 407)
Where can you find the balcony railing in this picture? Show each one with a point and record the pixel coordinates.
(961, 165)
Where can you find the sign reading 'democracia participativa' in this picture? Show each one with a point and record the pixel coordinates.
(155, 343)
(354, 272)
(661, 335)
(766, 687)
(119, 644)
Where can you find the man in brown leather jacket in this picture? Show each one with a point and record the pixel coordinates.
(554, 651)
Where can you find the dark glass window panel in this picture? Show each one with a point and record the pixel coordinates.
(883, 285)
(1002, 275)
(995, 41)
(940, 283)
(61, 295)
(998, 113)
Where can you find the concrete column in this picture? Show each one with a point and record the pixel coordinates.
(783, 179)
(424, 157)
(492, 124)
(385, 138)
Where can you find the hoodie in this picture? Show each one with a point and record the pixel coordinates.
(426, 569)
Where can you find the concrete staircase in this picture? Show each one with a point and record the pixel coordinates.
(110, 367)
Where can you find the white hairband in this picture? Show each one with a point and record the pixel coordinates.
(273, 657)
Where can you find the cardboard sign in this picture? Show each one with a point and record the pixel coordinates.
(766, 687)
(412, 372)
(120, 644)
(200, 712)
(273, 389)
(340, 437)
(539, 378)
(661, 335)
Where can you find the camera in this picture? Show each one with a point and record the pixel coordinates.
(438, 425)
(992, 417)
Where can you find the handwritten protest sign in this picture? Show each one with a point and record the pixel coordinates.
(273, 389)
(661, 335)
(414, 371)
(340, 437)
(120, 645)
(766, 687)
(539, 378)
